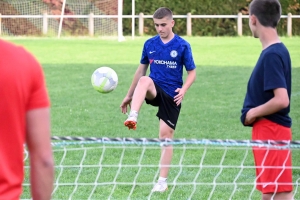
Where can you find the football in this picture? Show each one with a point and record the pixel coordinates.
(104, 79)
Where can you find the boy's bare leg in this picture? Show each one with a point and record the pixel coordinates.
(166, 157)
(144, 89)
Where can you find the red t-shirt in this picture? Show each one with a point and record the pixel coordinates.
(22, 88)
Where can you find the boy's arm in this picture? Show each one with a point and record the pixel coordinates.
(191, 77)
(40, 152)
(141, 71)
(277, 103)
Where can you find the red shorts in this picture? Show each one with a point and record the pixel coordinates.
(273, 166)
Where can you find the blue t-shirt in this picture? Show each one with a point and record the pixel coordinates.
(167, 61)
(272, 70)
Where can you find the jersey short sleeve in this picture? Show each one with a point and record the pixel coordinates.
(273, 72)
(188, 58)
(38, 97)
(144, 58)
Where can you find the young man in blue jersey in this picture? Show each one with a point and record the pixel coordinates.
(167, 54)
(267, 102)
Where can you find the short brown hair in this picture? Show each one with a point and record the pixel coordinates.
(163, 12)
(268, 12)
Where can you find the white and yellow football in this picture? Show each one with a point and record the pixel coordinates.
(104, 79)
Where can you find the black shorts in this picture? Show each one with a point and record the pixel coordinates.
(168, 111)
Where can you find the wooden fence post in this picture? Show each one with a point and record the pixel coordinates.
(91, 24)
(141, 24)
(45, 23)
(189, 25)
(289, 25)
(240, 24)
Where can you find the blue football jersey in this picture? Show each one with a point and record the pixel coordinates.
(167, 61)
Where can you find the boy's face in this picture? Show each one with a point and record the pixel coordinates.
(164, 26)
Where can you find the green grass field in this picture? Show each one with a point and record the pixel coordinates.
(211, 110)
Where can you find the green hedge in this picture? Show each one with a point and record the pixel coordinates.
(206, 27)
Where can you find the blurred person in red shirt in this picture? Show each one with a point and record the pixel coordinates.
(24, 118)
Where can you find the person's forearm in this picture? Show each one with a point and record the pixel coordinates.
(133, 85)
(138, 74)
(41, 178)
(272, 106)
(189, 80)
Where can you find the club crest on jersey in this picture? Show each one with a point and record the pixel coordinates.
(173, 53)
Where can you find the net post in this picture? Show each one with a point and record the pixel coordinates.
(120, 19)
(133, 20)
(0, 24)
(61, 18)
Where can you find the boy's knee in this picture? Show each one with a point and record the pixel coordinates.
(145, 80)
(166, 134)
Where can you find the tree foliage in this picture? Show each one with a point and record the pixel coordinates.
(206, 26)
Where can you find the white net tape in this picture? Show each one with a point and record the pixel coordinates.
(107, 171)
